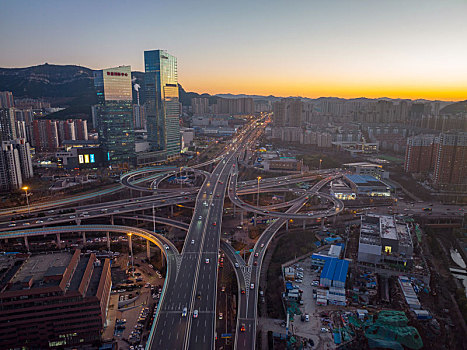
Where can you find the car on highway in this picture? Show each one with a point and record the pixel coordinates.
(255, 263)
(262, 245)
(72, 216)
(166, 247)
(192, 241)
(252, 286)
(200, 218)
(221, 315)
(242, 328)
(237, 265)
(195, 314)
(184, 312)
(26, 224)
(11, 225)
(207, 261)
(256, 254)
(214, 223)
(223, 289)
(242, 291)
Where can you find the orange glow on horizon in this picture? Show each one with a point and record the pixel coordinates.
(314, 89)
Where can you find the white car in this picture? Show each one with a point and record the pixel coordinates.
(252, 286)
(166, 247)
(195, 314)
(184, 312)
(200, 218)
(192, 241)
(207, 261)
(237, 265)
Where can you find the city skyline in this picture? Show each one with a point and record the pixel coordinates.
(312, 49)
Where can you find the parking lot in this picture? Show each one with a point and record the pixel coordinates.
(132, 304)
(313, 328)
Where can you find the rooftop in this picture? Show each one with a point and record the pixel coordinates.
(44, 265)
(388, 227)
(365, 180)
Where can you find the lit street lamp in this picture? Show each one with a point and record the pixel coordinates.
(320, 161)
(26, 188)
(257, 198)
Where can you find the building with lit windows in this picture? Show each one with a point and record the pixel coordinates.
(383, 238)
(54, 300)
(114, 115)
(162, 103)
(367, 185)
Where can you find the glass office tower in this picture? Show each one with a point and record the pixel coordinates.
(162, 103)
(115, 115)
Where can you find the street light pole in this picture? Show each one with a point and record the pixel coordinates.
(181, 177)
(320, 161)
(26, 188)
(257, 198)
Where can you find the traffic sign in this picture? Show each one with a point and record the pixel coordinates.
(226, 335)
(251, 250)
(237, 252)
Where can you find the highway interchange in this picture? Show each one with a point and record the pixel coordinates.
(191, 281)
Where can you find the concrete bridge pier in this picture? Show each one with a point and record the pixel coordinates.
(255, 219)
(171, 210)
(59, 242)
(111, 219)
(84, 238)
(148, 249)
(107, 235)
(287, 225)
(304, 224)
(26, 243)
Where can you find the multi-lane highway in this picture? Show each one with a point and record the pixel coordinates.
(195, 287)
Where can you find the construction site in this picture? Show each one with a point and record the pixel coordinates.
(380, 287)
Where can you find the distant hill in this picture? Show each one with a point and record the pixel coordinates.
(454, 108)
(67, 86)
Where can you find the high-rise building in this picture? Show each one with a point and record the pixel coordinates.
(288, 112)
(10, 167)
(66, 130)
(162, 102)
(419, 157)
(45, 135)
(81, 129)
(200, 105)
(450, 159)
(7, 124)
(6, 99)
(114, 114)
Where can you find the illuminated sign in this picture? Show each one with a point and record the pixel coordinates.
(118, 74)
(86, 158)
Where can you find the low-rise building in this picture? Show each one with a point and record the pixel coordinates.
(368, 186)
(384, 239)
(55, 300)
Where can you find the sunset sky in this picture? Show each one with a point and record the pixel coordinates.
(343, 48)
